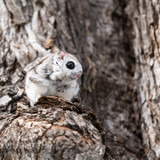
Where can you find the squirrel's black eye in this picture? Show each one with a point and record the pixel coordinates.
(70, 65)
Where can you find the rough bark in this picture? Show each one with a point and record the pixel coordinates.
(146, 48)
(98, 32)
(52, 129)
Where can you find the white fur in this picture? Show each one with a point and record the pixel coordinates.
(60, 81)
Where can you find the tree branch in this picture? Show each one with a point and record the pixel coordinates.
(53, 129)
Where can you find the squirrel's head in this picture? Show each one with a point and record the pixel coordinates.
(69, 64)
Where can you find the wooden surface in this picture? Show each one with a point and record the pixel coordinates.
(117, 43)
(52, 129)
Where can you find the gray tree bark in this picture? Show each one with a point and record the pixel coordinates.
(53, 129)
(146, 48)
(113, 40)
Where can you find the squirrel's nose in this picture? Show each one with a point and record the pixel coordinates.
(79, 74)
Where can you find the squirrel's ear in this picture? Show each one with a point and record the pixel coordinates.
(62, 54)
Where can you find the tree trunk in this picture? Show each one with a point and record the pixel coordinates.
(146, 48)
(52, 129)
(100, 33)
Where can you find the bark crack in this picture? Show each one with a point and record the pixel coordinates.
(8, 122)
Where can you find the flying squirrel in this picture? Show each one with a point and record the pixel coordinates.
(53, 74)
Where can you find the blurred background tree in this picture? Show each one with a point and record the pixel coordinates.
(117, 43)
